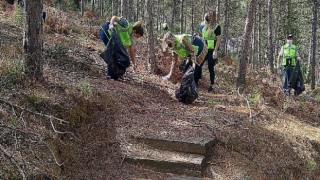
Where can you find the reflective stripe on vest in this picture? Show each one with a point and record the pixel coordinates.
(210, 38)
(289, 54)
(124, 34)
(180, 49)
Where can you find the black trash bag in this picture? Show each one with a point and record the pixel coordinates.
(296, 80)
(188, 91)
(183, 66)
(116, 56)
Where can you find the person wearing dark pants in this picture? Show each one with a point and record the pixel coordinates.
(211, 35)
(186, 48)
(287, 58)
(125, 31)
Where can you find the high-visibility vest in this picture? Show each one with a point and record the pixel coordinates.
(180, 49)
(124, 34)
(289, 54)
(201, 26)
(210, 38)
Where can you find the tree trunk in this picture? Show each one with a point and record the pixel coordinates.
(124, 8)
(204, 6)
(276, 35)
(218, 11)
(138, 10)
(192, 17)
(257, 61)
(115, 8)
(82, 7)
(259, 54)
(246, 43)
(130, 10)
(158, 15)
(181, 16)
(254, 41)
(173, 18)
(142, 9)
(149, 24)
(270, 34)
(33, 41)
(92, 5)
(225, 29)
(314, 44)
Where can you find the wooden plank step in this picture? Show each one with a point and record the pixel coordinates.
(164, 161)
(201, 146)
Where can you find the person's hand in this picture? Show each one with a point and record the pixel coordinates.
(215, 55)
(134, 68)
(111, 26)
(166, 78)
(299, 59)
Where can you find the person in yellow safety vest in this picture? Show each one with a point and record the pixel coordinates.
(184, 46)
(211, 35)
(203, 23)
(287, 58)
(125, 31)
(165, 27)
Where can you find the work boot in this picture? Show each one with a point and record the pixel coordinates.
(287, 93)
(211, 88)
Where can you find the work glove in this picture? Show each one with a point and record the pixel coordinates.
(215, 55)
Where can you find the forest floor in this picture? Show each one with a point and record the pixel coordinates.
(260, 134)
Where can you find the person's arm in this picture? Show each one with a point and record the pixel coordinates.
(217, 32)
(215, 52)
(186, 43)
(172, 68)
(298, 56)
(114, 20)
(132, 57)
(279, 57)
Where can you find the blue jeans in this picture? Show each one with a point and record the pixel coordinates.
(286, 74)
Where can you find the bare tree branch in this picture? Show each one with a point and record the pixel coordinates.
(36, 113)
(18, 130)
(67, 132)
(54, 157)
(13, 161)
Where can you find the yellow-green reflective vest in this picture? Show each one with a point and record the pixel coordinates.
(180, 49)
(289, 54)
(209, 37)
(124, 34)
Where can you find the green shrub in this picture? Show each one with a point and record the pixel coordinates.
(317, 96)
(18, 17)
(35, 98)
(311, 165)
(14, 120)
(12, 72)
(85, 89)
(255, 98)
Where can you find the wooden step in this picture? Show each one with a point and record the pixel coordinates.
(185, 178)
(199, 145)
(164, 161)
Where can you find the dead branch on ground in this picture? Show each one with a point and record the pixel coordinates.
(36, 113)
(13, 161)
(60, 132)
